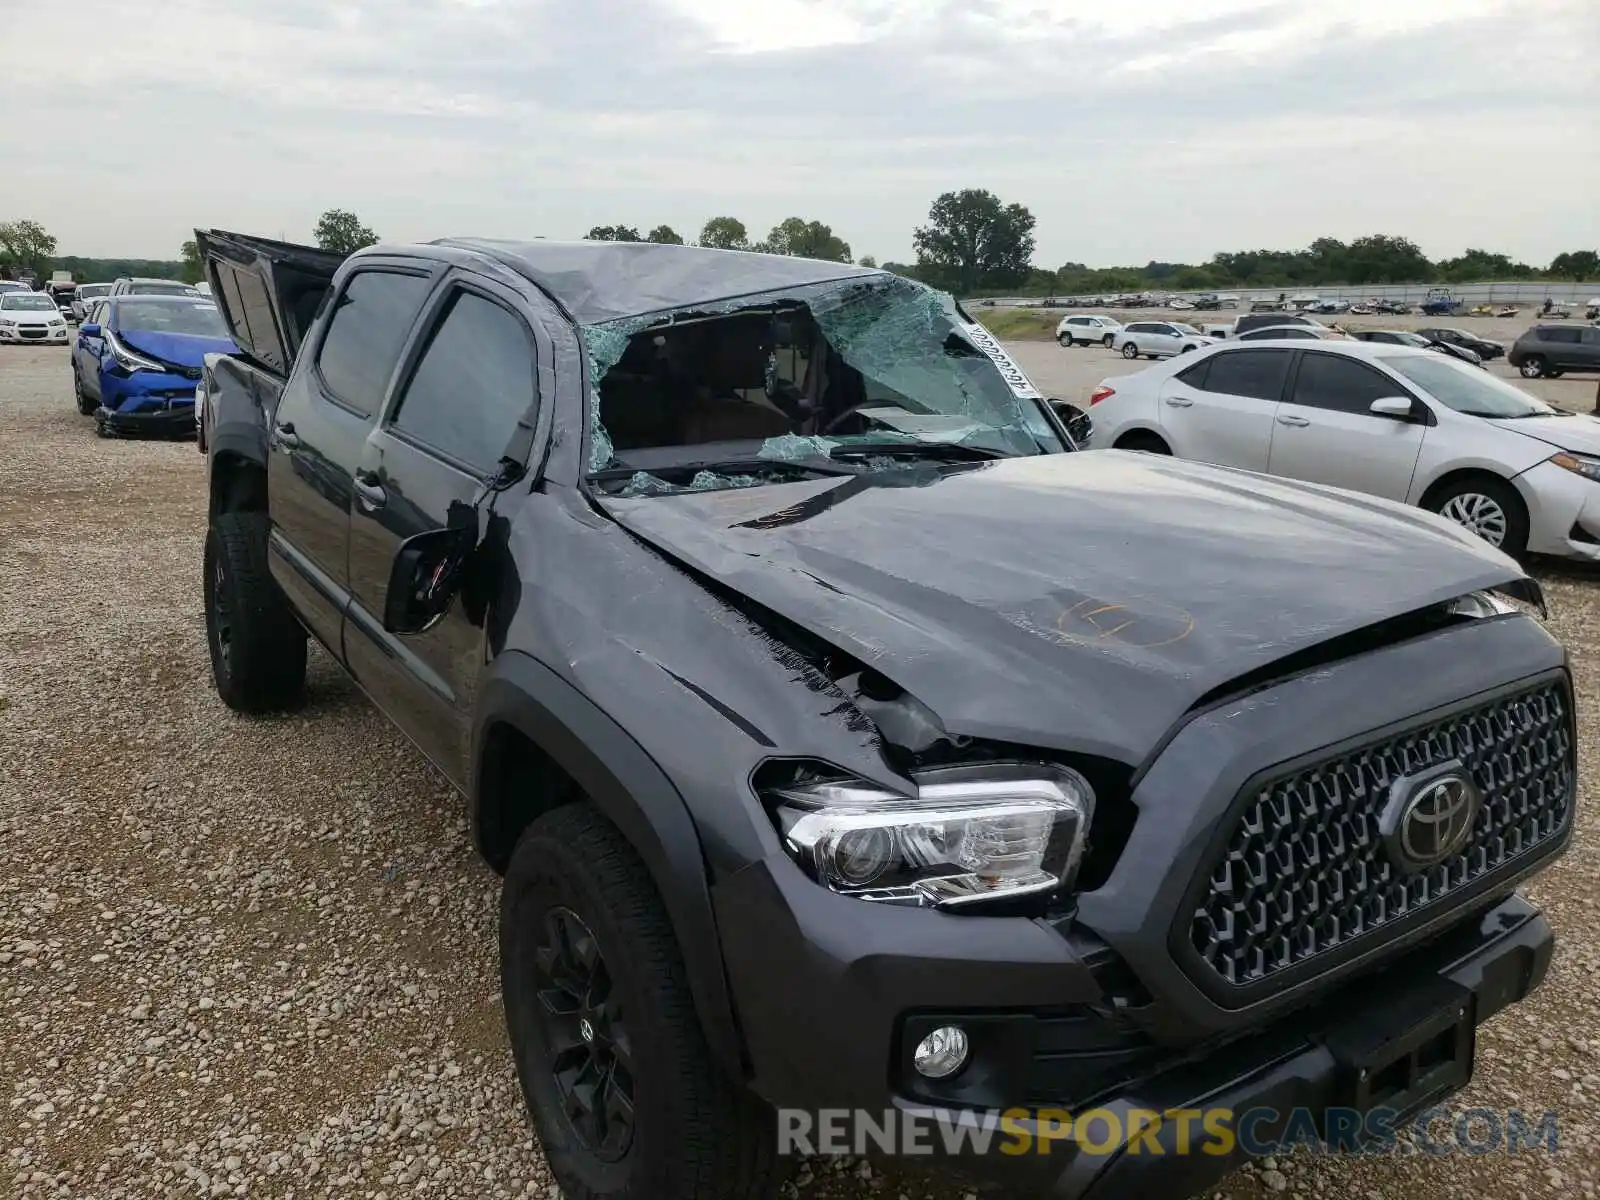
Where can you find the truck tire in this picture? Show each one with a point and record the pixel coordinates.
(601, 1022)
(258, 649)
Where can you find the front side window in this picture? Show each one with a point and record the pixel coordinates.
(1558, 334)
(1340, 384)
(368, 328)
(474, 384)
(1256, 374)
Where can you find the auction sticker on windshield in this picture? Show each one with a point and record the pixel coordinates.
(986, 341)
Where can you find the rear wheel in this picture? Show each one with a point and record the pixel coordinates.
(1144, 440)
(1489, 507)
(1533, 366)
(1130, 351)
(625, 1096)
(258, 650)
(1065, 339)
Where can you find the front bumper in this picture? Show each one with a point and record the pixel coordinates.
(34, 335)
(175, 421)
(1563, 512)
(832, 993)
(1266, 1083)
(147, 401)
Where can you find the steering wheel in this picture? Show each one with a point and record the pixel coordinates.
(839, 418)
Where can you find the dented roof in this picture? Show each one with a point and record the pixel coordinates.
(604, 281)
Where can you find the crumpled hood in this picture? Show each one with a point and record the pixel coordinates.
(179, 349)
(1579, 433)
(1081, 601)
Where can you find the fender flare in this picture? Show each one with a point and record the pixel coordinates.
(241, 440)
(625, 784)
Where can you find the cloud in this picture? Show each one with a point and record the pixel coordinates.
(1157, 130)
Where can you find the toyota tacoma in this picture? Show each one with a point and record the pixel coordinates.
(847, 738)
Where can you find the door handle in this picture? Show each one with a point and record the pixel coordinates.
(1179, 402)
(369, 490)
(283, 435)
(1296, 422)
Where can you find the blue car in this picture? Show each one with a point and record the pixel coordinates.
(137, 360)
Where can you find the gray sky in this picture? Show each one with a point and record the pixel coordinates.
(1133, 130)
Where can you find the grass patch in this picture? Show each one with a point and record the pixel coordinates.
(1019, 324)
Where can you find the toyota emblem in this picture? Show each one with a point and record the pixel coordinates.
(1429, 817)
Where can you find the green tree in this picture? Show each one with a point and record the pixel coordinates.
(1576, 265)
(613, 233)
(193, 269)
(866, 260)
(972, 241)
(342, 232)
(800, 238)
(1476, 265)
(26, 246)
(1383, 258)
(664, 235)
(725, 233)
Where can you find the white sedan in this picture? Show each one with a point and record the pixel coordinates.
(31, 317)
(1158, 339)
(1404, 424)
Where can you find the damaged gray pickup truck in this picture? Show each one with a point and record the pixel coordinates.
(849, 740)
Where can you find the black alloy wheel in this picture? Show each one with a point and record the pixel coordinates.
(591, 1057)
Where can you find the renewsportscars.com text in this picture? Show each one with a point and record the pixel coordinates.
(1256, 1132)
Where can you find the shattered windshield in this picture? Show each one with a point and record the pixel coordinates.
(848, 377)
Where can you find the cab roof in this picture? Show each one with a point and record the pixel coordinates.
(604, 281)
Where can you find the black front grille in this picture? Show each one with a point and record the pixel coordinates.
(1306, 872)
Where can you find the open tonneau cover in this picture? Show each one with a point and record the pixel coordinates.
(268, 291)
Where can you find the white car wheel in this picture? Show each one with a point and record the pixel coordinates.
(1130, 350)
(1479, 513)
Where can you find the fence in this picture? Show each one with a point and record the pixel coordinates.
(1523, 293)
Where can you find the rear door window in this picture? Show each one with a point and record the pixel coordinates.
(370, 322)
(475, 382)
(1558, 334)
(1257, 374)
(1340, 384)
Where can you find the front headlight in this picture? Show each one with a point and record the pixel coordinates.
(8, 322)
(996, 830)
(1579, 464)
(1498, 604)
(128, 360)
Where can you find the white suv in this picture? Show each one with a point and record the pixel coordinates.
(1086, 331)
(1159, 339)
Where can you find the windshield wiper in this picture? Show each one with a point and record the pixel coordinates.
(726, 466)
(957, 451)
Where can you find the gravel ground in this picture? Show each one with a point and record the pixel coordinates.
(256, 957)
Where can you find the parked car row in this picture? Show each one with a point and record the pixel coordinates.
(1389, 419)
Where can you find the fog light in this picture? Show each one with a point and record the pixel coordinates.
(942, 1053)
